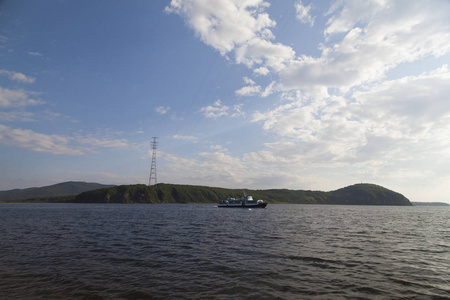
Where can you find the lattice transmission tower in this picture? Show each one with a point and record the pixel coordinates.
(152, 179)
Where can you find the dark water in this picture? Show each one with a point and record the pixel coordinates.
(70, 251)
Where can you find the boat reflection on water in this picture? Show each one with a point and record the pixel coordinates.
(245, 201)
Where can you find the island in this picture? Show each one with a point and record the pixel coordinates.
(358, 194)
(430, 204)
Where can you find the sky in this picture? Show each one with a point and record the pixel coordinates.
(304, 95)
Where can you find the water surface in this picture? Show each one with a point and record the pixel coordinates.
(173, 251)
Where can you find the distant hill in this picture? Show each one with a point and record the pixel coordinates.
(367, 194)
(83, 192)
(358, 194)
(430, 204)
(56, 190)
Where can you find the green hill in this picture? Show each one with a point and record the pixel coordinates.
(82, 192)
(367, 194)
(56, 190)
(359, 194)
(163, 193)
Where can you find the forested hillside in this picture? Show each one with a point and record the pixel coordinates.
(359, 194)
(81, 192)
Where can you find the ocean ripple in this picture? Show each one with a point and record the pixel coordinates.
(78, 251)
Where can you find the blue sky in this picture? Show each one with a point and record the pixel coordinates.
(244, 94)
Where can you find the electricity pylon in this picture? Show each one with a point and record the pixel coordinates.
(152, 179)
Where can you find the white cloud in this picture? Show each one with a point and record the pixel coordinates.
(94, 142)
(217, 168)
(17, 98)
(303, 13)
(223, 24)
(255, 90)
(415, 101)
(34, 53)
(258, 52)
(395, 125)
(228, 25)
(237, 111)
(12, 116)
(261, 71)
(340, 116)
(210, 169)
(345, 14)
(218, 148)
(248, 81)
(17, 76)
(378, 36)
(38, 142)
(219, 110)
(3, 39)
(250, 90)
(216, 110)
(269, 89)
(162, 110)
(185, 138)
(55, 144)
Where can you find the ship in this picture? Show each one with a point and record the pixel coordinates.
(245, 201)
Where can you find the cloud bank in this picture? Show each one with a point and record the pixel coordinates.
(339, 111)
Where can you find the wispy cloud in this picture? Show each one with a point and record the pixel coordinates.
(14, 116)
(56, 144)
(261, 71)
(185, 138)
(38, 142)
(17, 76)
(255, 90)
(34, 53)
(216, 110)
(237, 111)
(377, 36)
(3, 39)
(303, 13)
(217, 168)
(218, 148)
(162, 110)
(94, 142)
(269, 89)
(249, 90)
(18, 98)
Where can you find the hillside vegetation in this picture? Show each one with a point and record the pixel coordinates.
(82, 192)
(359, 194)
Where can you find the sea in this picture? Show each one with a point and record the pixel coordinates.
(193, 251)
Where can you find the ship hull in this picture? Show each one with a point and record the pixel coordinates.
(259, 205)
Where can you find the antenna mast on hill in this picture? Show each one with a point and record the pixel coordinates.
(152, 179)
